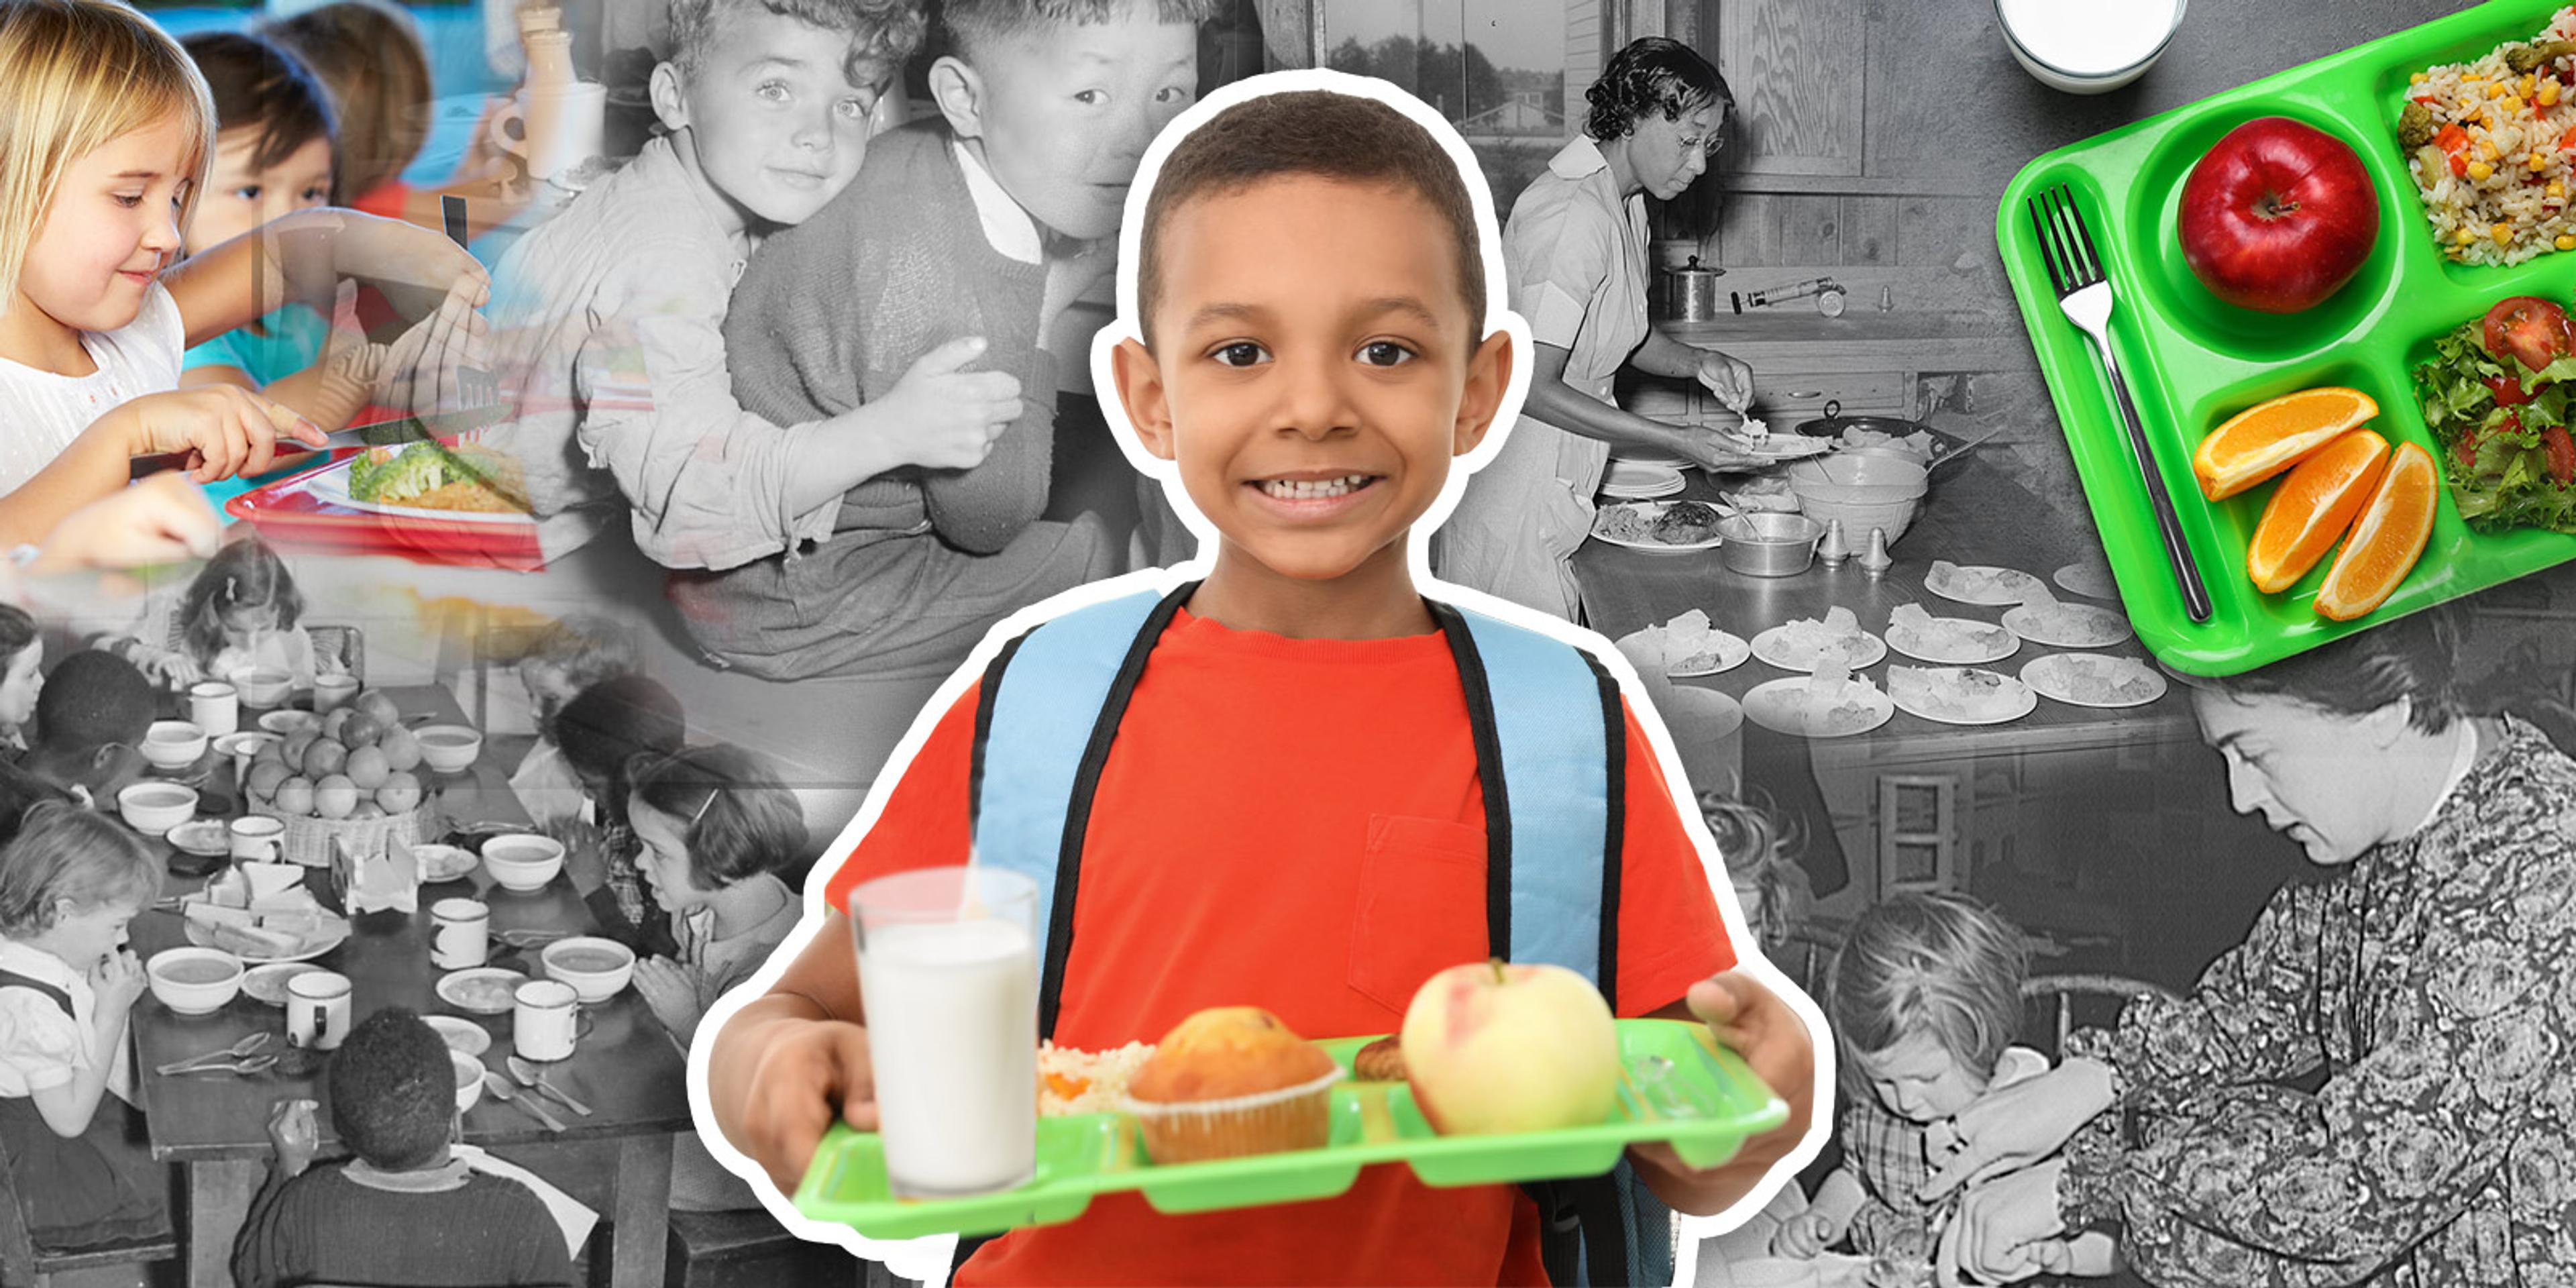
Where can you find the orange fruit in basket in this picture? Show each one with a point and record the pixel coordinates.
(2312, 508)
(2269, 437)
(2387, 538)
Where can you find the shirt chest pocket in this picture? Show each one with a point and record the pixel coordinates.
(1421, 906)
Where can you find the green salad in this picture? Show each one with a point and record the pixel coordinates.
(462, 477)
(2496, 395)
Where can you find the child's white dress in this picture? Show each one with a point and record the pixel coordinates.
(102, 1184)
(47, 411)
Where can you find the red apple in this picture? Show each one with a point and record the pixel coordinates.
(1492, 1048)
(2278, 216)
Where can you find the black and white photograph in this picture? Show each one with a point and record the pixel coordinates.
(496, 492)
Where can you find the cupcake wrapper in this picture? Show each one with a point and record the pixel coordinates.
(1298, 1117)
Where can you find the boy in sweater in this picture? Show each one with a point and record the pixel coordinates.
(985, 223)
(768, 105)
(90, 722)
(1291, 815)
(402, 1210)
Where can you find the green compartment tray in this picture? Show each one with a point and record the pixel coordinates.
(1705, 1106)
(2192, 361)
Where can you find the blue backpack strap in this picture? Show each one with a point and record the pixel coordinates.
(1048, 711)
(1551, 743)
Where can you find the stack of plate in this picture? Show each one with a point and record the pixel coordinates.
(1640, 480)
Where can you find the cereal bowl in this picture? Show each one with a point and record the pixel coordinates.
(262, 686)
(173, 744)
(154, 808)
(194, 981)
(469, 1078)
(523, 861)
(283, 723)
(449, 749)
(596, 968)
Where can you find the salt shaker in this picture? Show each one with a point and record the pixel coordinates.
(1834, 549)
(1875, 560)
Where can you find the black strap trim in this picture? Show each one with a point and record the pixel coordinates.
(1489, 772)
(986, 694)
(61, 997)
(1614, 745)
(1605, 1230)
(1077, 810)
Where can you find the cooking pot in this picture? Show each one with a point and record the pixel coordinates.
(1690, 292)
(1834, 422)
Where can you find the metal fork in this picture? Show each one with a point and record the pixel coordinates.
(2083, 287)
(479, 388)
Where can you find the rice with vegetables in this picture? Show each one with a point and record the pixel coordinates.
(2489, 142)
(1086, 1082)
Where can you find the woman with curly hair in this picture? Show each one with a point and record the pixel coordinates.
(1574, 251)
(2421, 992)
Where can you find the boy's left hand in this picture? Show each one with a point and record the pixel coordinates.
(1757, 1025)
(294, 1134)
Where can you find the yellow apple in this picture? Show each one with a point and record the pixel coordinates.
(335, 797)
(1494, 1048)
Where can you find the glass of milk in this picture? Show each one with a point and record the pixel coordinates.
(948, 975)
(2088, 46)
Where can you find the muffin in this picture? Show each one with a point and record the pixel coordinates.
(1229, 1082)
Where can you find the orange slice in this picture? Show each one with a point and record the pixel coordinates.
(2387, 538)
(2269, 437)
(2311, 509)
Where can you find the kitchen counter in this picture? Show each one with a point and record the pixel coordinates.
(1975, 514)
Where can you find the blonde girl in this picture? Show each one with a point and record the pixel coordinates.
(108, 135)
(69, 884)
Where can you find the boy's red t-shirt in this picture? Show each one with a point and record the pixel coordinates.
(1295, 825)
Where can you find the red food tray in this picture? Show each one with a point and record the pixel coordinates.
(288, 514)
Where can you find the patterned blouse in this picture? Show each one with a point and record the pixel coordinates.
(2429, 995)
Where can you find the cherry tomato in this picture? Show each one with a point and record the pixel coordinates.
(2561, 451)
(2532, 329)
(2508, 391)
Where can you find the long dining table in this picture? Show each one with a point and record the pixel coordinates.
(625, 1068)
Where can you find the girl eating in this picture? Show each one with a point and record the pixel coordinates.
(68, 885)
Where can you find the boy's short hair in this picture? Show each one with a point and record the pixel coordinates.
(1654, 74)
(64, 852)
(259, 85)
(370, 57)
(393, 1090)
(91, 700)
(965, 24)
(883, 33)
(1938, 964)
(741, 820)
(1316, 132)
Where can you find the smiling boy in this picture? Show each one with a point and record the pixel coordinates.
(1293, 812)
(768, 104)
(983, 223)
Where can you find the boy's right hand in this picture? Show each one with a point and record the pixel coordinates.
(941, 418)
(1804, 1236)
(806, 1067)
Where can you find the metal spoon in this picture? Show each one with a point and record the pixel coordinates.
(255, 1064)
(500, 1089)
(248, 1046)
(529, 1075)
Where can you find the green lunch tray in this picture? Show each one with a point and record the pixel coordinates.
(1706, 1106)
(2192, 360)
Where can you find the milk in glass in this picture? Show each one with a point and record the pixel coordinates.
(952, 1019)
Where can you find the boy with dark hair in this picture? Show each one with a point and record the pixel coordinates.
(984, 223)
(90, 722)
(1293, 812)
(402, 1210)
(768, 105)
